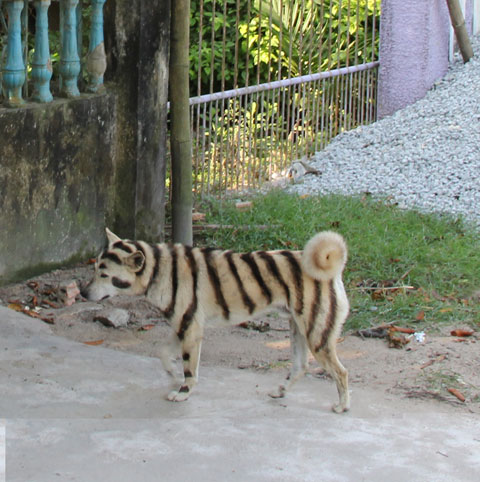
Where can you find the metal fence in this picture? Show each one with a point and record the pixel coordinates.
(273, 81)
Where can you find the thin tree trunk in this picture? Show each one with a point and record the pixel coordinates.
(180, 136)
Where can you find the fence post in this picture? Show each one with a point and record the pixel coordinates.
(96, 58)
(180, 137)
(42, 65)
(13, 74)
(69, 61)
(461, 33)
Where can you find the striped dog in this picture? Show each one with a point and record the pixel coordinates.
(192, 286)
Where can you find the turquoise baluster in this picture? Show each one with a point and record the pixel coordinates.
(78, 16)
(79, 19)
(13, 74)
(69, 61)
(96, 59)
(42, 65)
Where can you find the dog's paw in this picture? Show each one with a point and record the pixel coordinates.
(280, 393)
(179, 395)
(340, 408)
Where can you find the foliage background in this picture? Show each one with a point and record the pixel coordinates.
(236, 42)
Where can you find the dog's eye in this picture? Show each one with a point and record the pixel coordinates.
(103, 275)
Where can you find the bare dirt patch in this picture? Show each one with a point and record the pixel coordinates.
(441, 370)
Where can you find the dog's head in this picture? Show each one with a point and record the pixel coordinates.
(118, 270)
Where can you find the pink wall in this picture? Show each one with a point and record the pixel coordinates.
(414, 39)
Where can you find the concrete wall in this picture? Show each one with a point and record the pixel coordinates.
(414, 50)
(72, 167)
(55, 182)
(137, 44)
(414, 41)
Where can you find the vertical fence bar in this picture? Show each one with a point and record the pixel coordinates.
(205, 140)
(69, 61)
(13, 74)
(243, 108)
(374, 90)
(42, 65)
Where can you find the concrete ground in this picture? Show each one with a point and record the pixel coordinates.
(75, 412)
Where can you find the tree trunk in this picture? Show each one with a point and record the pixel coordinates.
(180, 136)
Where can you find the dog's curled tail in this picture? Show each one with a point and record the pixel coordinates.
(324, 256)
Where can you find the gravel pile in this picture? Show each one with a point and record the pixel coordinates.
(426, 156)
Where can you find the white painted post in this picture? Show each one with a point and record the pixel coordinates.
(476, 17)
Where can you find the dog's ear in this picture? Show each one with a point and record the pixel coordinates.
(112, 238)
(135, 261)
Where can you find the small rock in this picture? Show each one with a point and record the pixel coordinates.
(114, 317)
(67, 292)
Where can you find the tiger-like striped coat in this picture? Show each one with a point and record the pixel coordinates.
(193, 286)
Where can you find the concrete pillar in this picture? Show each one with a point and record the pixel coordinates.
(414, 40)
(137, 46)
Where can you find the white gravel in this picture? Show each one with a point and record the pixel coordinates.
(426, 156)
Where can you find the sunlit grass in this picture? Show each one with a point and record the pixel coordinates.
(433, 261)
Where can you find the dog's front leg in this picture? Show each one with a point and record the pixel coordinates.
(168, 354)
(191, 345)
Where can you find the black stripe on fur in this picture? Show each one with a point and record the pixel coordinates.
(247, 301)
(174, 278)
(192, 309)
(156, 265)
(215, 282)
(249, 259)
(298, 280)
(124, 247)
(272, 266)
(111, 256)
(118, 283)
(332, 314)
(315, 307)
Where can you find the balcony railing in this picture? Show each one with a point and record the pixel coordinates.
(19, 68)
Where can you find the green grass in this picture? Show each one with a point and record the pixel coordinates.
(438, 256)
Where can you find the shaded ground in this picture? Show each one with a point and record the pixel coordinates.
(420, 371)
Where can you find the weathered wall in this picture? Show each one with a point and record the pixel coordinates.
(137, 44)
(72, 167)
(414, 38)
(55, 177)
(414, 50)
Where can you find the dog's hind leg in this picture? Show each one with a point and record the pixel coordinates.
(299, 350)
(191, 344)
(328, 358)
